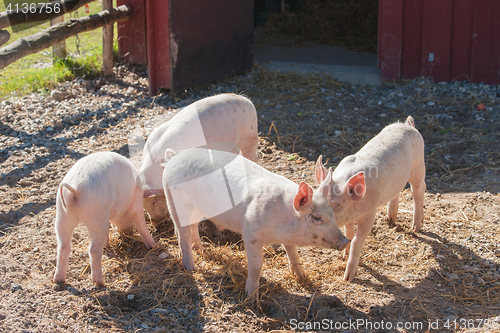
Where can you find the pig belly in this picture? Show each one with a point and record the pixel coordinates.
(231, 220)
(394, 184)
(195, 202)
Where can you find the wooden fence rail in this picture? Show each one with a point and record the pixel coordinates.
(4, 37)
(40, 13)
(48, 37)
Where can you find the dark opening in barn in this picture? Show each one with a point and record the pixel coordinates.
(332, 34)
(386, 40)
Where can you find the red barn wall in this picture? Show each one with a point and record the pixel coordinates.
(443, 39)
(132, 33)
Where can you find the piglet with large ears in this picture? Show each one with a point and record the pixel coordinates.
(373, 177)
(237, 194)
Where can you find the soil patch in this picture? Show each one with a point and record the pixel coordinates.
(449, 271)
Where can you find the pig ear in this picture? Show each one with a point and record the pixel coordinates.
(356, 186)
(320, 170)
(303, 197)
(325, 186)
(151, 193)
(169, 153)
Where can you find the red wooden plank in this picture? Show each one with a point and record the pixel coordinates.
(485, 42)
(210, 40)
(158, 45)
(379, 33)
(390, 38)
(496, 40)
(132, 33)
(461, 40)
(436, 39)
(412, 38)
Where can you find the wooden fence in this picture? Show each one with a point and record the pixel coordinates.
(60, 31)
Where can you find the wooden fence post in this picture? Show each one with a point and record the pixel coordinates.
(59, 49)
(107, 43)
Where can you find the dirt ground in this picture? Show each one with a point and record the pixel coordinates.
(445, 277)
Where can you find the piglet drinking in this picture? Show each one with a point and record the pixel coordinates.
(98, 189)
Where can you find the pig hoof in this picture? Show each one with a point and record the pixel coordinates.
(59, 280)
(59, 286)
(198, 246)
(348, 278)
(349, 275)
(416, 227)
(298, 271)
(191, 268)
(149, 246)
(252, 296)
(99, 284)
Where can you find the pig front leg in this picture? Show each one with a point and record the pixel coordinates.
(392, 209)
(137, 215)
(98, 234)
(364, 227)
(294, 259)
(106, 243)
(349, 233)
(254, 251)
(183, 233)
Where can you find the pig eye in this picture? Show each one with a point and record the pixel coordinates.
(316, 219)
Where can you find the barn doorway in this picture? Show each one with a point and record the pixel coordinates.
(320, 32)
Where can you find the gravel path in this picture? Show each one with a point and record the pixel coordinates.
(299, 119)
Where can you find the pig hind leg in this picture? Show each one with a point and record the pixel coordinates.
(98, 231)
(124, 224)
(392, 209)
(417, 182)
(195, 237)
(248, 146)
(64, 231)
(255, 262)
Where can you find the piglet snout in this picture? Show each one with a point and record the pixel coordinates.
(343, 243)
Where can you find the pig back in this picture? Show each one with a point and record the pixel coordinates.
(386, 160)
(225, 188)
(216, 183)
(174, 135)
(216, 122)
(226, 119)
(104, 181)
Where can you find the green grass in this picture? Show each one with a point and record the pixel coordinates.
(445, 131)
(39, 72)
